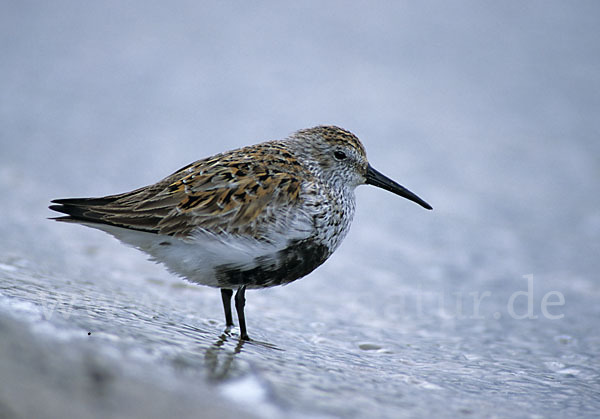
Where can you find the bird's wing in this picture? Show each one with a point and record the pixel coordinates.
(234, 193)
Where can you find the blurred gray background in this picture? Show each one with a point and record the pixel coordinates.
(488, 110)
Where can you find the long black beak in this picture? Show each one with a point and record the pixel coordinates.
(381, 181)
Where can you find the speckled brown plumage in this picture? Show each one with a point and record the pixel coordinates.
(236, 192)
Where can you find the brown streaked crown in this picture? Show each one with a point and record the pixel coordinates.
(334, 136)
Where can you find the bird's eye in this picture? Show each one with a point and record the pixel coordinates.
(340, 155)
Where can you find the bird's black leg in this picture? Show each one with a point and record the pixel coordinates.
(240, 301)
(226, 294)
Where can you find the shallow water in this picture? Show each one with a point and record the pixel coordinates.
(486, 306)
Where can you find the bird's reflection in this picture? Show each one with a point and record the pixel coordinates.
(220, 357)
(220, 360)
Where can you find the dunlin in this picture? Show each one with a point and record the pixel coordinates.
(255, 217)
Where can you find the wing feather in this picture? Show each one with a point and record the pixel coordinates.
(246, 192)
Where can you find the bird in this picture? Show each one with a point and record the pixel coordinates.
(250, 218)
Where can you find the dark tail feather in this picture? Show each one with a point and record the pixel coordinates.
(99, 210)
(86, 202)
(80, 208)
